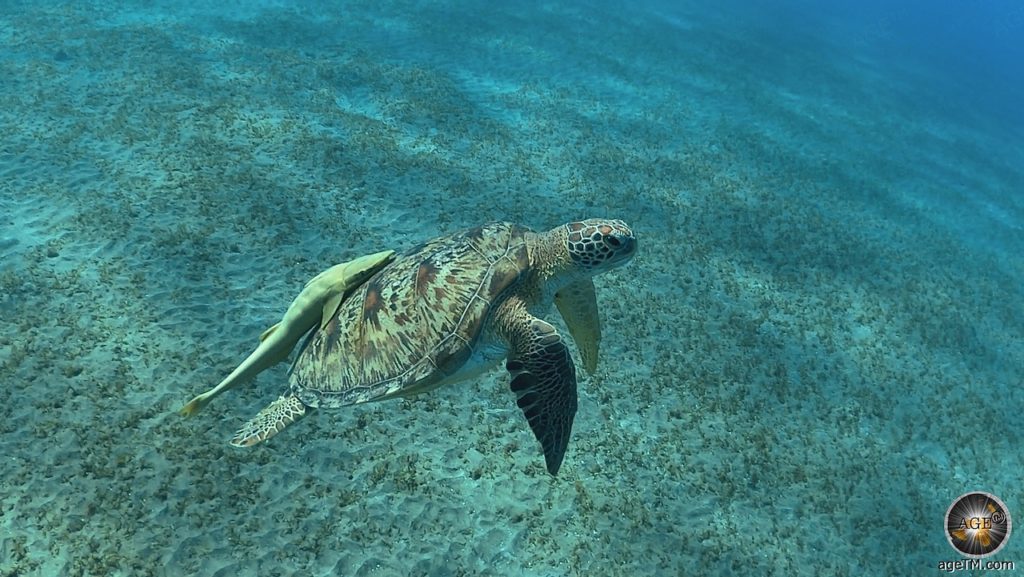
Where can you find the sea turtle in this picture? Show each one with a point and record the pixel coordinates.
(452, 308)
(315, 305)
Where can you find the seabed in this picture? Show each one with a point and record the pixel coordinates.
(817, 349)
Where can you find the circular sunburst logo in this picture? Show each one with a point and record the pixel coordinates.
(977, 524)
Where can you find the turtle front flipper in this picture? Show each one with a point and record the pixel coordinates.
(577, 304)
(544, 381)
(271, 421)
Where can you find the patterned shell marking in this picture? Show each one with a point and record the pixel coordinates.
(415, 322)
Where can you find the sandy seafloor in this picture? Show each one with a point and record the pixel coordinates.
(818, 348)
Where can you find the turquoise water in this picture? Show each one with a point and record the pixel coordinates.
(818, 348)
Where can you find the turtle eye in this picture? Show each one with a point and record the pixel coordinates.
(613, 241)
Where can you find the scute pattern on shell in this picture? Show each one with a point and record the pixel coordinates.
(415, 322)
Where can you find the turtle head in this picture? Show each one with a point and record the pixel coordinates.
(598, 244)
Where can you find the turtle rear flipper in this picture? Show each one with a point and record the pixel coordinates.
(544, 381)
(270, 421)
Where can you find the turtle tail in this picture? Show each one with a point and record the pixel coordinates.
(270, 421)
